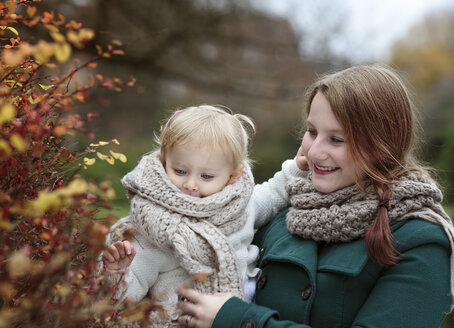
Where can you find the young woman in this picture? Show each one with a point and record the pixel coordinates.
(365, 242)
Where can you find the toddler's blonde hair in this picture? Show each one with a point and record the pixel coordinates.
(208, 126)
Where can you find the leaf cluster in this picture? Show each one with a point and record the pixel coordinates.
(49, 239)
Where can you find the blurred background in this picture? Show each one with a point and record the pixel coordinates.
(256, 57)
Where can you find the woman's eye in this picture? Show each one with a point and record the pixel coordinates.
(179, 172)
(207, 177)
(311, 132)
(337, 140)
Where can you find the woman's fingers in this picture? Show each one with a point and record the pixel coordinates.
(202, 308)
(190, 294)
(188, 321)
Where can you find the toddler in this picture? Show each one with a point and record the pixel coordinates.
(192, 212)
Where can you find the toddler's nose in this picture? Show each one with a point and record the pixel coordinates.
(191, 185)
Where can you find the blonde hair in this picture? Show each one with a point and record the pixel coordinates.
(374, 109)
(208, 126)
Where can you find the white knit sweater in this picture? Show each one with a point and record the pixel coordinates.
(157, 272)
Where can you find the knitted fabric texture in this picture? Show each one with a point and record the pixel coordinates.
(194, 229)
(345, 215)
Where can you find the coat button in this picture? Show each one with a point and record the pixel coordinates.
(262, 281)
(307, 291)
(248, 324)
(261, 252)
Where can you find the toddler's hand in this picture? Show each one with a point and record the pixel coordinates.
(301, 160)
(119, 255)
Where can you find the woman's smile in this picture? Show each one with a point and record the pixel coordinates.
(319, 169)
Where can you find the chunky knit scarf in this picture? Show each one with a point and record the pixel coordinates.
(194, 229)
(346, 214)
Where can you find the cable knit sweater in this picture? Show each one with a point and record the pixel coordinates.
(168, 254)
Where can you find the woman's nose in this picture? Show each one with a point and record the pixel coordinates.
(317, 151)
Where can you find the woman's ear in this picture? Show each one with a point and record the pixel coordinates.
(236, 174)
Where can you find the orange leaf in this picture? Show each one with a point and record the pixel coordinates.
(31, 11)
(11, 5)
(59, 130)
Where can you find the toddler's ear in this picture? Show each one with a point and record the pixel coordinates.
(236, 174)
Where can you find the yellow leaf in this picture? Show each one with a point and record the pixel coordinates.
(119, 156)
(5, 147)
(44, 51)
(89, 161)
(7, 113)
(45, 87)
(77, 186)
(62, 52)
(57, 36)
(12, 29)
(11, 5)
(118, 52)
(72, 37)
(103, 143)
(45, 202)
(115, 141)
(108, 159)
(63, 290)
(31, 11)
(12, 58)
(19, 264)
(7, 290)
(33, 101)
(86, 34)
(5, 224)
(18, 143)
(51, 28)
(101, 156)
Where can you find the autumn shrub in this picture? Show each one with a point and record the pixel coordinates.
(49, 238)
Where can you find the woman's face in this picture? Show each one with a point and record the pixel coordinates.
(325, 149)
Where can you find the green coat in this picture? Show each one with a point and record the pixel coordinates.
(304, 284)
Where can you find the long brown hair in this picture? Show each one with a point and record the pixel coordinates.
(374, 109)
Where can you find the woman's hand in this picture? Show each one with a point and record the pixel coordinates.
(119, 255)
(301, 160)
(200, 309)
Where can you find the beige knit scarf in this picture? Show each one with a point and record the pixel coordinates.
(346, 214)
(194, 229)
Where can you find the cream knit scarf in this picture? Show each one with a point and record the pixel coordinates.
(194, 229)
(346, 214)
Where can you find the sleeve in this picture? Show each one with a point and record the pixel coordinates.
(135, 282)
(270, 197)
(143, 271)
(415, 292)
(237, 313)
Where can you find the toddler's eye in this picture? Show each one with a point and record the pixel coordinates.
(179, 172)
(207, 177)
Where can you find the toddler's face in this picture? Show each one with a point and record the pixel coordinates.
(199, 171)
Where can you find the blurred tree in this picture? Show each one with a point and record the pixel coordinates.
(427, 55)
(427, 52)
(189, 52)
